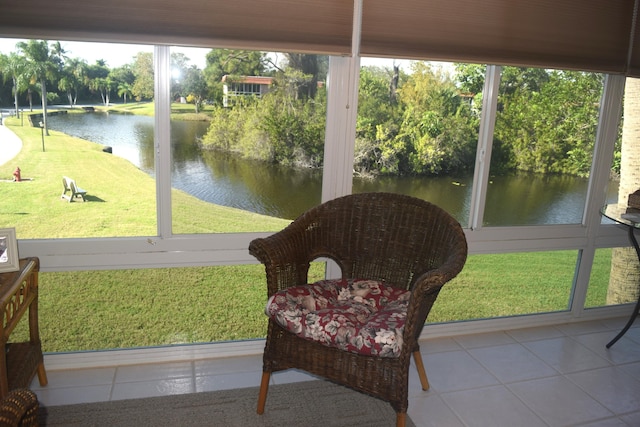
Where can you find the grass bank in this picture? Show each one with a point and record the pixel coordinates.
(122, 197)
(95, 310)
(178, 111)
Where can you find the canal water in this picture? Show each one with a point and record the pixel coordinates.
(518, 199)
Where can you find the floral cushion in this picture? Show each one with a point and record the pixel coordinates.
(360, 316)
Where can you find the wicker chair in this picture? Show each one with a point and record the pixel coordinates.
(19, 409)
(400, 242)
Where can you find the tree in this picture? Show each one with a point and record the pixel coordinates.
(310, 67)
(124, 90)
(28, 86)
(123, 78)
(277, 127)
(105, 86)
(547, 120)
(295, 127)
(470, 77)
(438, 133)
(72, 78)
(142, 68)
(379, 115)
(41, 65)
(221, 62)
(375, 103)
(625, 272)
(13, 66)
(194, 86)
(97, 78)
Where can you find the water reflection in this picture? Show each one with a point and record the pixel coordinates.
(452, 194)
(525, 199)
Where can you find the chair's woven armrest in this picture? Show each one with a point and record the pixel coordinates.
(427, 287)
(286, 259)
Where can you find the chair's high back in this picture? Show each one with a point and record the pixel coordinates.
(65, 184)
(381, 236)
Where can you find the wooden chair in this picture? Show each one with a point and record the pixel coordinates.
(69, 185)
(19, 409)
(404, 247)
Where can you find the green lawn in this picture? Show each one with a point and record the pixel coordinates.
(91, 310)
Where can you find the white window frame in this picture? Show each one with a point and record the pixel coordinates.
(169, 250)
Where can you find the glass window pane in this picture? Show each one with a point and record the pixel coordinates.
(150, 307)
(84, 136)
(542, 147)
(247, 139)
(499, 285)
(614, 277)
(417, 131)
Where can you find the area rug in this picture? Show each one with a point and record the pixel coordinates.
(308, 404)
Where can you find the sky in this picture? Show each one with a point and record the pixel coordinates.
(117, 55)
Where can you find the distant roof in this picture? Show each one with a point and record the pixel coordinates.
(261, 80)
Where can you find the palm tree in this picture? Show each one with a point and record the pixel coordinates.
(625, 271)
(66, 84)
(124, 90)
(40, 66)
(96, 78)
(73, 75)
(104, 85)
(12, 67)
(27, 85)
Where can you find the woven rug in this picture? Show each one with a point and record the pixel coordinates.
(308, 404)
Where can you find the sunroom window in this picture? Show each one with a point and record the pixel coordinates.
(254, 164)
(543, 141)
(206, 186)
(416, 132)
(86, 135)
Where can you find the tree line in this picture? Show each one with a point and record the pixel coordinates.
(426, 121)
(421, 122)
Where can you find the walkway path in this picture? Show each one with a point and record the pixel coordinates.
(10, 145)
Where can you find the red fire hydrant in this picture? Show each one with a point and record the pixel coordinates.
(16, 175)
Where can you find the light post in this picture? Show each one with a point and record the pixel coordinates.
(42, 134)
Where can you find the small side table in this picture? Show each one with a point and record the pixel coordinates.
(19, 362)
(631, 219)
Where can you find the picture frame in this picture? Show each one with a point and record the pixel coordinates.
(9, 259)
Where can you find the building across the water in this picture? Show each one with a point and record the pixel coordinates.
(234, 87)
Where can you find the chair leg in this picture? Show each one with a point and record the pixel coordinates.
(417, 357)
(264, 387)
(401, 419)
(42, 375)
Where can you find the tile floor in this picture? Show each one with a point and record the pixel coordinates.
(558, 375)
